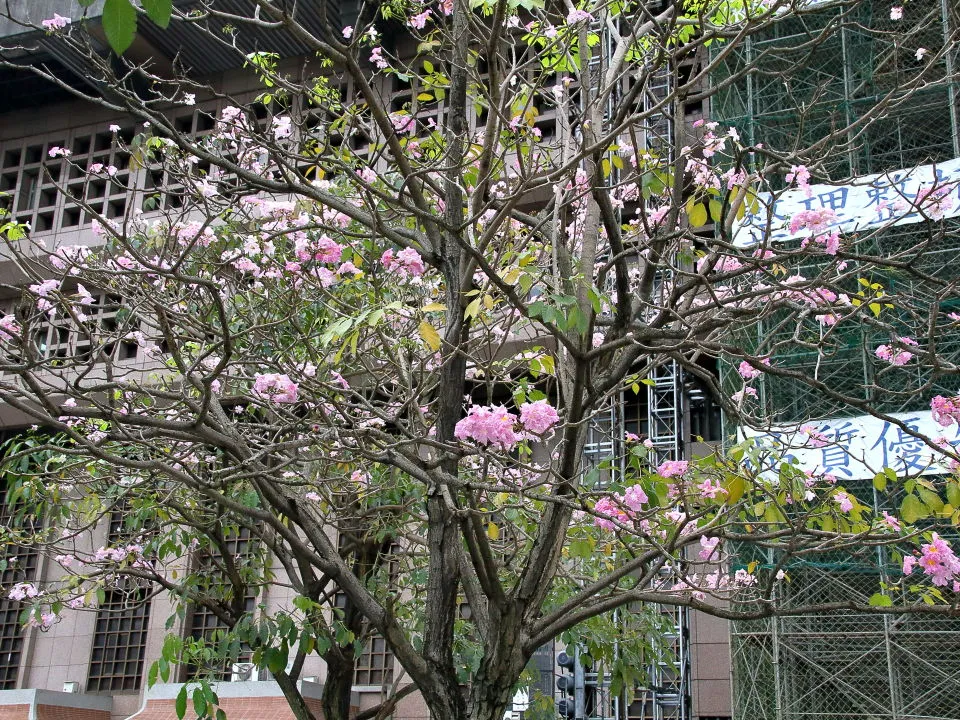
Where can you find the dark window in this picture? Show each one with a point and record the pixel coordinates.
(204, 623)
(375, 665)
(20, 566)
(120, 637)
(119, 642)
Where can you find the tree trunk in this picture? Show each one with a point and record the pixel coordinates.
(338, 685)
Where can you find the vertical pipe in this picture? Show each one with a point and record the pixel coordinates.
(951, 80)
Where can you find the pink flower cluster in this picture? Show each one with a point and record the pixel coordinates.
(946, 411)
(843, 500)
(816, 438)
(496, 425)
(406, 263)
(324, 249)
(488, 426)
(403, 123)
(937, 560)
(538, 417)
(23, 591)
(619, 508)
(896, 356)
(57, 22)
(708, 546)
(816, 221)
(672, 468)
(935, 201)
(802, 176)
(275, 387)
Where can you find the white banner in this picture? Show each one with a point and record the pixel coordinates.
(860, 447)
(868, 202)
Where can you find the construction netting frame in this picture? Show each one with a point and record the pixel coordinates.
(807, 83)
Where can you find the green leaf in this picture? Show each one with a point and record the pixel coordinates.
(158, 10)
(698, 215)
(930, 499)
(911, 510)
(880, 482)
(181, 703)
(120, 26)
(953, 493)
(199, 703)
(880, 600)
(277, 661)
(716, 210)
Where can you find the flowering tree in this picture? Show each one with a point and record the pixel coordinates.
(388, 307)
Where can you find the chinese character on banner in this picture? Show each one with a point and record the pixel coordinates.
(835, 457)
(901, 451)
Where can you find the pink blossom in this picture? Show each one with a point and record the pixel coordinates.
(538, 417)
(896, 356)
(817, 221)
(45, 288)
(9, 326)
(748, 371)
(801, 174)
(575, 16)
(745, 392)
(816, 438)
(22, 591)
(376, 57)
(312, 496)
(275, 387)
(909, 561)
(609, 507)
(938, 560)
(407, 262)
(634, 497)
(846, 504)
(946, 411)
(403, 122)
(672, 468)
(446, 6)
(57, 22)
(488, 426)
(896, 12)
(921, 51)
(420, 21)
(935, 201)
(632, 437)
(347, 32)
(708, 546)
(710, 488)
(891, 522)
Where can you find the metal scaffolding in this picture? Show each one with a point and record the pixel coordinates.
(848, 666)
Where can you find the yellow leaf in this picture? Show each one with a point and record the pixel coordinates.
(513, 274)
(473, 309)
(488, 302)
(698, 215)
(493, 532)
(434, 307)
(735, 488)
(752, 566)
(430, 336)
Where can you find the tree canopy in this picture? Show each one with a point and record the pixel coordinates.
(370, 316)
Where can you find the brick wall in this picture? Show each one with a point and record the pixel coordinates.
(253, 708)
(14, 712)
(56, 712)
